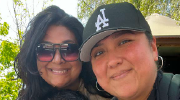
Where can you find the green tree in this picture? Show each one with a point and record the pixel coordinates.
(170, 8)
(23, 12)
(8, 51)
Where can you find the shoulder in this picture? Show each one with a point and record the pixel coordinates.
(114, 98)
(169, 86)
(90, 96)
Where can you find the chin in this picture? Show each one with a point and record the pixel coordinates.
(126, 92)
(127, 95)
(58, 84)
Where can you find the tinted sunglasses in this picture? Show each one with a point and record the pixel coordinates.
(69, 52)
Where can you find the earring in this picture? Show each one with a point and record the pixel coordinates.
(161, 62)
(40, 73)
(97, 87)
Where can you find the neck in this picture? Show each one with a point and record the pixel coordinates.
(144, 96)
(74, 86)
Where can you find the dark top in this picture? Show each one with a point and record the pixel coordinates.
(155, 93)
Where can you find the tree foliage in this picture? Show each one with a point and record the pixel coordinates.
(9, 87)
(4, 29)
(23, 12)
(8, 50)
(170, 8)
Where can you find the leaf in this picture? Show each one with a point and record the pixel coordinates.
(4, 29)
(8, 52)
(170, 8)
(24, 11)
(9, 88)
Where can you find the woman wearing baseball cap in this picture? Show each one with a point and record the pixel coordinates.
(124, 57)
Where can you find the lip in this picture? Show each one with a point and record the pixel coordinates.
(121, 74)
(59, 71)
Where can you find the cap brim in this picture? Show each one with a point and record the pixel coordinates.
(87, 46)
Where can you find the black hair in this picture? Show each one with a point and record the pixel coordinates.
(149, 36)
(90, 80)
(33, 86)
(65, 95)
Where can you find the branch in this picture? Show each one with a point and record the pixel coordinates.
(87, 4)
(4, 40)
(2, 77)
(16, 20)
(7, 41)
(10, 26)
(33, 8)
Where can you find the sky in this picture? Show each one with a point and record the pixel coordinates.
(69, 6)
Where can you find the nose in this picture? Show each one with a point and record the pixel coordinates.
(114, 59)
(57, 58)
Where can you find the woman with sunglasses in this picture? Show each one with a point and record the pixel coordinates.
(48, 59)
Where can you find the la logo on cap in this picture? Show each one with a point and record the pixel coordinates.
(101, 20)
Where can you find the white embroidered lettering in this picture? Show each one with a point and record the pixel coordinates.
(101, 20)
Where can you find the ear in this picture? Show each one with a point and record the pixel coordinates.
(154, 49)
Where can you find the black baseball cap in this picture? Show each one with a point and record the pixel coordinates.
(107, 19)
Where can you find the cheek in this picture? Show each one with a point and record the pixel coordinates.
(42, 70)
(100, 72)
(142, 61)
(99, 69)
(140, 54)
(41, 65)
(76, 66)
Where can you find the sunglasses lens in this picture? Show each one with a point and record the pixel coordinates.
(70, 52)
(44, 53)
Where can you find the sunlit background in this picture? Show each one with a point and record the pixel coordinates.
(6, 11)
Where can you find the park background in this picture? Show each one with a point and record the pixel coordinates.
(15, 15)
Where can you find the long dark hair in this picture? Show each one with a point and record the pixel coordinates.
(34, 87)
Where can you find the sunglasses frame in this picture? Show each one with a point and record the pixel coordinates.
(54, 51)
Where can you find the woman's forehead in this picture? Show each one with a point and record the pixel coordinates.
(116, 35)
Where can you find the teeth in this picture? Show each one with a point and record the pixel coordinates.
(62, 71)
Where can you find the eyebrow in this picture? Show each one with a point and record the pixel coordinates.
(115, 35)
(99, 44)
(65, 41)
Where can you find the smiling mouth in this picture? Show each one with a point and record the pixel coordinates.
(121, 75)
(59, 71)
